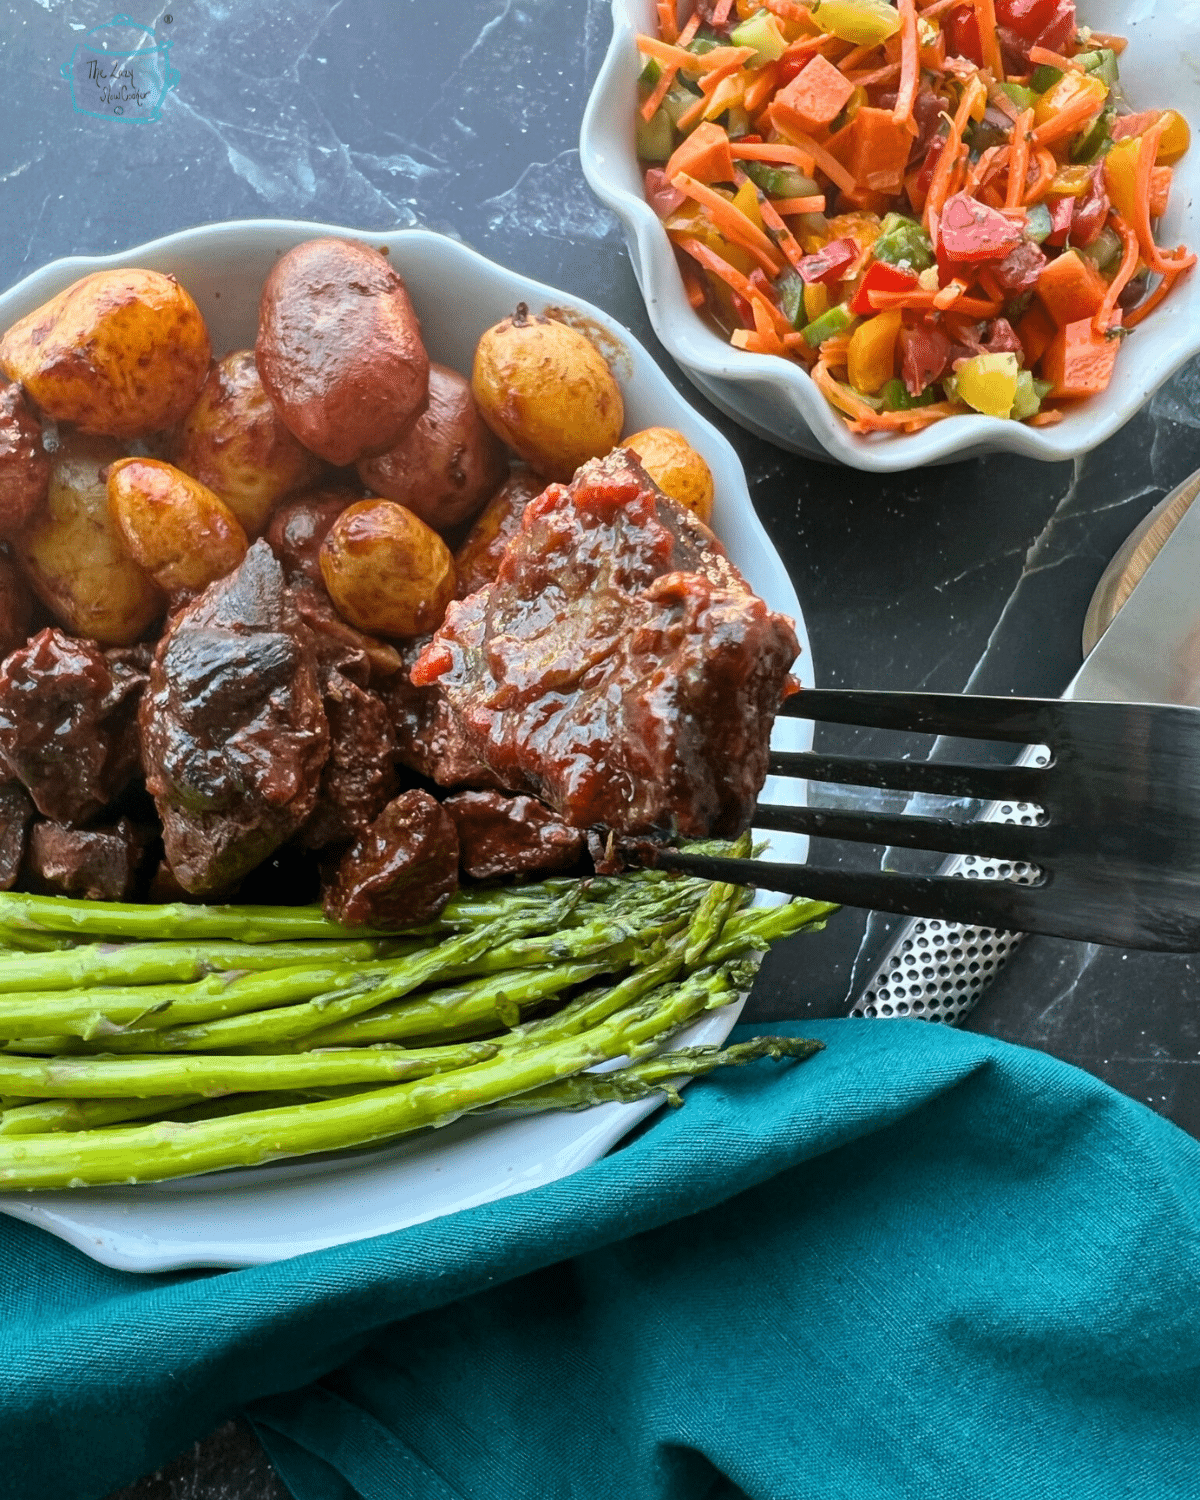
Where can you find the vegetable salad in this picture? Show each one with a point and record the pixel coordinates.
(936, 208)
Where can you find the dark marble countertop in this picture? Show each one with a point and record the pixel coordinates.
(464, 117)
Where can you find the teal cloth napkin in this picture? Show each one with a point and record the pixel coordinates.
(922, 1264)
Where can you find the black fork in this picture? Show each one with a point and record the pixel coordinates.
(1117, 850)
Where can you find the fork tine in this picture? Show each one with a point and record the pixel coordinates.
(1002, 904)
(1023, 720)
(980, 783)
(1008, 841)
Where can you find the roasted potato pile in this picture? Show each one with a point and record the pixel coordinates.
(383, 480)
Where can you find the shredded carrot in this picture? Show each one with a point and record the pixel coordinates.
(818, 155)
(938, 8)
(1000, 100)
(1047, 168)
(669, 73)
(839, 395)
(1049, 418)
(1107, 39)
(910, 69)
(666, 20)
(1068, 121)
(1144, 309)
(693, 62)
(764, 324)
(790, 156)
(784, 237)
(948, 160)
(1129, 259)
(732, 277)
(731, 222)
(990, 287)
(800, 205)
(904, 421)
(880, 75)
(1043, 56)
(856, 55)
(1158, 260)
(990, 162)
(989, 41)
(760, 90)
(1018, 159)
(787, 10)
(720, 12)
(751, 342)
(926, 301)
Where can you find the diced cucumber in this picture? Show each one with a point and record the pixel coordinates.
(737, 122)
(678, 101)
(837, 320)
(655, 137)
(1105, 249)
(1044, 77)
(762, 33)
(903, 242)
(790, 288)
(1038, 223)
(781, 182)
(1096, 139)
(1101, 64)
(1022, 97)
(896, 398)
(650, 74)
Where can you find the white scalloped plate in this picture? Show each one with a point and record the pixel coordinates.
(251, 1216)
(776, 399)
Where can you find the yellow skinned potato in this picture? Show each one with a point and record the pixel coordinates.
(234, 441)
(386, 571)
(174, 527)
(676, 467)
(547, 391)
(74, 557)
(118, 354)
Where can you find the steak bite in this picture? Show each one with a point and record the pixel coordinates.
(402, 870)
(619, 667)
(501, 835)
(359, 778)
(429, 737)
(68, 722)
(100, 864)
(16, 814)
(234, 735)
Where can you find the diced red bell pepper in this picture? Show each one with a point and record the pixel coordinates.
(924, 354)
(829, 263)
(971, 231)
(881, 277)
(660, 195)
(1062, 211)
(1060, 29)
(1026, 17)
(962, 34)
(1020, 268)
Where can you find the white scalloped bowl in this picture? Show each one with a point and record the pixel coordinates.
(245, 1217)
(775, 399)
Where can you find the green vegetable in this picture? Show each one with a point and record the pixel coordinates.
(1038, 223)
(1022, 97)
(1102, 64)
(677, 101)
(1096, 139)
(737, 122)
(656, 136)
(649, 75)
(896, 397)
(780, 182)
(837, 320)
(1029, 396)
(866, 23)
(1044, 77)
(903, 242)
(762, 33)
(1104, 251)
(790, 289)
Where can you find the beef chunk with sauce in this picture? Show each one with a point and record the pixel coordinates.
(429, 737)
(99, 864)
(402, 870)
(68, 723)
(619, 667)
(359, 778)
(501, 835)
(16, 814)
(234, 734)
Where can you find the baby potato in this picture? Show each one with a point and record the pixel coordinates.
(74, 557)
(339, 349)
(547, 391)
(24, 462)
(477, 561)
(386, 571)
(299, 527)
(676, 467)
(446, 464)
(174, 526)
(118, 353)
(234, 442)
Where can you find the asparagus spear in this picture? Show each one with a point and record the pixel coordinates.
(658, 1074)
(719, 902)
(140, 1153)
(115, 1077)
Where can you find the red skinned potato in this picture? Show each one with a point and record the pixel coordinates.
(386, 571)
(174, 527)
(118, 354)
(234, 441)
(299, 527)
(447, 464)
(24, 462)
(339, 349)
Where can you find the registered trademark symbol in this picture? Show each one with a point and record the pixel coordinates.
(168, 18)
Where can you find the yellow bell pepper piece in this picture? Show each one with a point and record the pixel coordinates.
(1120, 176)
(866, 23)
(746, 201)
(1175, 139)
(728, 94)
(1069, 182)
(816, 300)
(989, 383)
(1068, 88)
(871, 357)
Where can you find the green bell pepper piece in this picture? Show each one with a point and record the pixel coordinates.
(1022, 97)
(1044, 77)
(903, 242)
(896, 397)
(790, 288)
(837, 320)
(655, 137)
